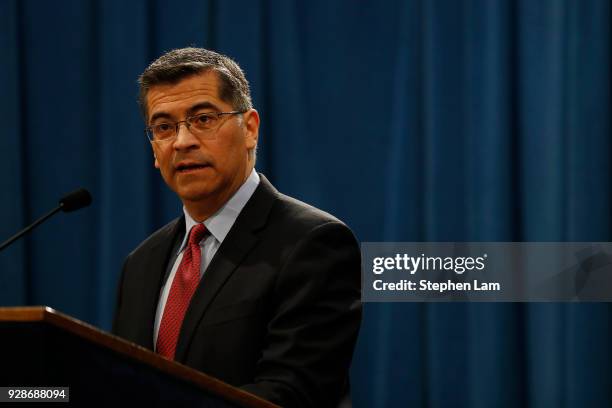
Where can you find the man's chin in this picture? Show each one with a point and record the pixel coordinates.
(194, 195)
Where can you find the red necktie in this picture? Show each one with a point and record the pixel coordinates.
(183, 286)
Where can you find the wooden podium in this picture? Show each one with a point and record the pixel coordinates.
(42, 347)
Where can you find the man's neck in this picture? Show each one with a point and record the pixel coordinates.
(200, 211)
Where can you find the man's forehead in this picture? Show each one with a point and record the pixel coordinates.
(200, 87)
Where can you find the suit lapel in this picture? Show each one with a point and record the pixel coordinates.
(155, 270)
(236, 245)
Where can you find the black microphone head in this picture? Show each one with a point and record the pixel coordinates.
(77, 199)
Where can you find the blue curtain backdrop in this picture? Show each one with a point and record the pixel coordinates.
(476, 120)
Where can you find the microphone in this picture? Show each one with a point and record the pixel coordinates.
(75, 201)
(70, 202)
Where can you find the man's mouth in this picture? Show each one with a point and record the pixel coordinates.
(190, 167)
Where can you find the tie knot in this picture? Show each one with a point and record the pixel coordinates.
(196, 234)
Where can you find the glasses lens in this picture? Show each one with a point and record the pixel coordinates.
(163, 131)
(204, 122)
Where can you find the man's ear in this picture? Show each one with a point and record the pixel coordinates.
(251, 127)
(156, 163)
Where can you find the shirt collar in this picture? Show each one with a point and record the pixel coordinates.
(220, 223)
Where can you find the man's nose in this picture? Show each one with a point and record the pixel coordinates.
(184, 138)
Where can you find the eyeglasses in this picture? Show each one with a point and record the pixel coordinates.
(202, 125)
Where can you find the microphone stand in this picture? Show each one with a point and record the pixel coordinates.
(29, 228)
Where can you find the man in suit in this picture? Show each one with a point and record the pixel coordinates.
(250, 286)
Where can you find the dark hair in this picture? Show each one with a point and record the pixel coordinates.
(181, 63)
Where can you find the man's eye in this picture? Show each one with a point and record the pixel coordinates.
(203, 119)
(162, 128)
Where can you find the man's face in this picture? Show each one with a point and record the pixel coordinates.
(201, 170)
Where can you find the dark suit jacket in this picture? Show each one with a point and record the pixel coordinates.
(276, 313)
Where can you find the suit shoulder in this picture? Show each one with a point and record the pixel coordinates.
(301, 216)
(163, 233)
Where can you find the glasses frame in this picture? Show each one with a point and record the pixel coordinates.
(149, 129)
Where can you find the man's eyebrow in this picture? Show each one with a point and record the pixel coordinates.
(200, 106)
(192, 110)
(160, 115)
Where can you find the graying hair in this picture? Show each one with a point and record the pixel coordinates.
(176, 65)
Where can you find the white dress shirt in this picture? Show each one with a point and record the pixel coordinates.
(218, 225)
